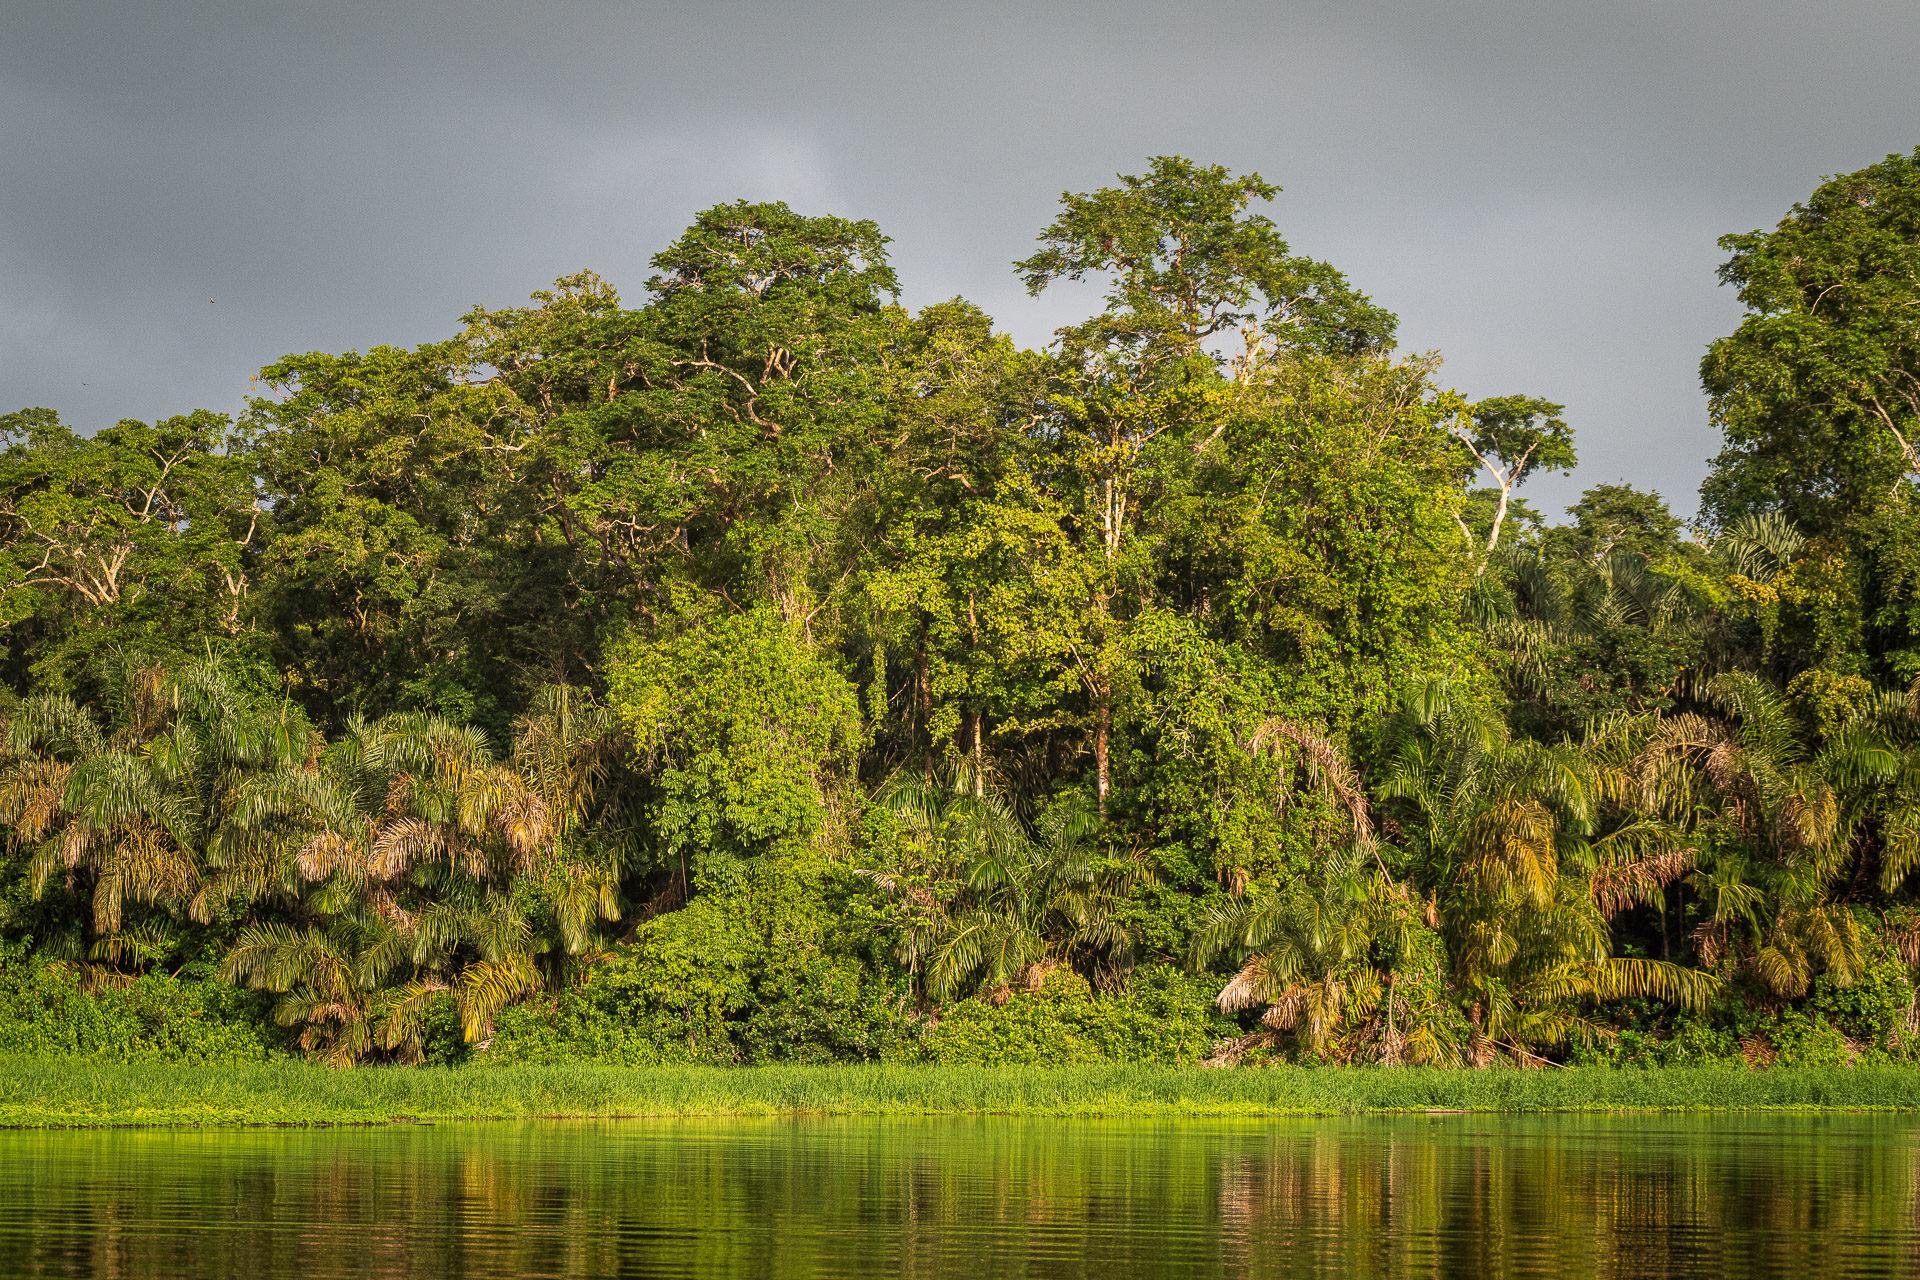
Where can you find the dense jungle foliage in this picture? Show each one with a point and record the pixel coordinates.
(765, 673)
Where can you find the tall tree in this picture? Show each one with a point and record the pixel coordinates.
(1512, 437)
(142, 535)
(1141, 394)
(1818, 391)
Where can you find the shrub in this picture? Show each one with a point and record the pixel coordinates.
(47, 1012)
(767, 972)
(1162, 1016)
(1872, 1010)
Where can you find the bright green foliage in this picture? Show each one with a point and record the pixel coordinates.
(1818, 391)
(1512, 437)
(766, 972)
(1330, 533)
(1866, 1021)
(1188, 260)
(1619, 517)
(1162, 1016)
(48, 1094)
(50, 1010)
(757, 672)
(744, 730)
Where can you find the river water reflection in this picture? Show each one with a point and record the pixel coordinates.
(1444, 1195)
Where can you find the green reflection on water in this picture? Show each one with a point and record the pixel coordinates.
(1800, 1196)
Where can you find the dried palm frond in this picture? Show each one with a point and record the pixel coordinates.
(1617, 886)
(1326, 765)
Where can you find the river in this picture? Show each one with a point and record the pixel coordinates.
(1799, 1196)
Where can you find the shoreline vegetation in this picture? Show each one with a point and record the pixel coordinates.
(753, 672)
(41, 1094)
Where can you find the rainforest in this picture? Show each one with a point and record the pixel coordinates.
(751, 671)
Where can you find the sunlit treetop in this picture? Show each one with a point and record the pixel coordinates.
(1187, 259)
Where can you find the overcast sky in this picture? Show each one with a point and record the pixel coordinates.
(1535, 188)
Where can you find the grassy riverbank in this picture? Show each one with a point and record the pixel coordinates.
(67, 1094)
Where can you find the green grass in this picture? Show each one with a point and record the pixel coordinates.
(52, 1094)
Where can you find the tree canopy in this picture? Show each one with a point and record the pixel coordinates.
(760, 670)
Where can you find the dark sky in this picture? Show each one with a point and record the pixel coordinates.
(1534, 187)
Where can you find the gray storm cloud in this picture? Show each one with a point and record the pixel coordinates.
(1535, 189)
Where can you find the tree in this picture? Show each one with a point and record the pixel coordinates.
(1502, 839)
(1512, 437)
(1339, 956)
(1140, 396)
(1774, 823)
(399, 574)
(416, 856)
(142, 536)
(943, 825)
(1188, 263)
(939, 564)
(1030, 905)
(744, 734)
(1617, 517)
(126, 818)
(752, 402)
(1587, 630)
(1321, 535)
(1339, 961)
(1817, 392)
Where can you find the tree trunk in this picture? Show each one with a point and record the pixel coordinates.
(923, 697)
(1102, 732)
(979, 745)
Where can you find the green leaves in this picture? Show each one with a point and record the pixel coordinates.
(1818, 390)
(743, 729)
(1165, 643)
(141, 535)
(1512, 437)
(1188, 262)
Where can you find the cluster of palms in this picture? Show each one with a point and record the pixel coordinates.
(1484, 931)
(358, 878)
(981, 903)
(1483, 934)
(1463, 909)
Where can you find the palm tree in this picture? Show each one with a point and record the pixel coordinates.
(1501, 837)
(1032, 905)
(1344, 959)
(571, 752)
(402, 838)
(383, 800)
(364, 980)
(977, 903)
(1337, 961)
(124, 818)
(1541, 604)
(946, 822)
(1775, 823)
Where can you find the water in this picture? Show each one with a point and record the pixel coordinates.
(1447, 1195)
